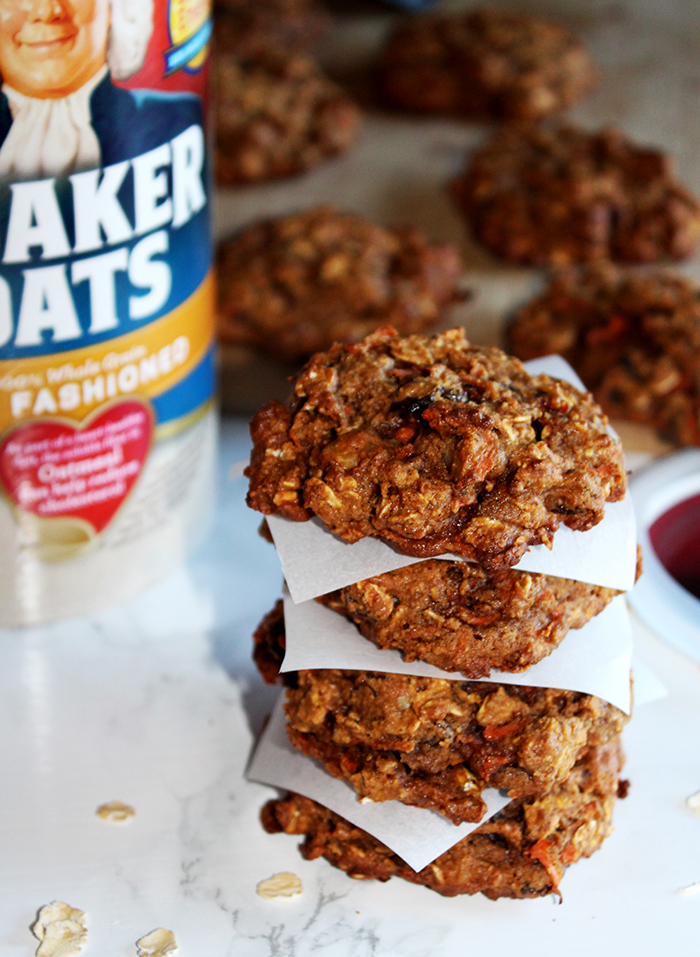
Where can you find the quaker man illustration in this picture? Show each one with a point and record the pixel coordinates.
(59, 110)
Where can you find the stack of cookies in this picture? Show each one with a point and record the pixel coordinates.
(449, 462)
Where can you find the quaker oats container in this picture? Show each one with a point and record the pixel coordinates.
(107, 425)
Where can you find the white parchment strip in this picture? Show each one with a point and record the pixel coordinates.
(647, 687)
(418, 836)
(595, 659)
(315, 561)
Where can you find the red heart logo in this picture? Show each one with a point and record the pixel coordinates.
(54, 469)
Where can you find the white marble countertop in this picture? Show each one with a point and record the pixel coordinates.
(153, 703)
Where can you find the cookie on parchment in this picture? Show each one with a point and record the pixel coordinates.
(460, 617)
(633, 338)
(432, 742)
(435, 446)
(278, 115)
(296, 284)
(556, 195)
(521, 852)
(484, 63)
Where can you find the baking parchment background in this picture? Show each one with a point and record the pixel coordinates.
(648, 56)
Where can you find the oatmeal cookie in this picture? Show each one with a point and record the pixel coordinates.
(521, 852)
(434, 743)
(434, 446)
(268, 647)
(484, 63)
(558, 195)
(251, 28)
(297, 284)
(634, 340)
(461, 617)
(278, 116)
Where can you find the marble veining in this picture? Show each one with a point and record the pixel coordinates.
(156, 704)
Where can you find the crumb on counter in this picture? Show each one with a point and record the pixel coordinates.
(693, 803)
(158, 943)
(115, 812)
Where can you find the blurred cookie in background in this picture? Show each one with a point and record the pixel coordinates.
(484, 63)
(278, 115)
(633, 338)
(556, 195)
(250, 28)
(293, 285)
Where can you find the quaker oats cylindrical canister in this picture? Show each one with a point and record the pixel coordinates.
(107, 427)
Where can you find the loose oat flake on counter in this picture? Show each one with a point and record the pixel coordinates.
(62, 930)
(115, 812)
(158, 943)
(693, 802)
(279, 885)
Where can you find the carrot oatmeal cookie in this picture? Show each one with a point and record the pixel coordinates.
(434, 743)
(435, 446)
(484, 63)
(250, 28)
(520, 852)
(293, 285)
(551, 195)
(634, 340)
(461, 617)
(278, 115)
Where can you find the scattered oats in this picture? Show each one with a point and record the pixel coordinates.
(692, 890)
(157, 944)
(693, 803)
(279, 885)
(115, 812)
(61, 929)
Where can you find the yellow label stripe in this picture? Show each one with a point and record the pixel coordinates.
(146, 363)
